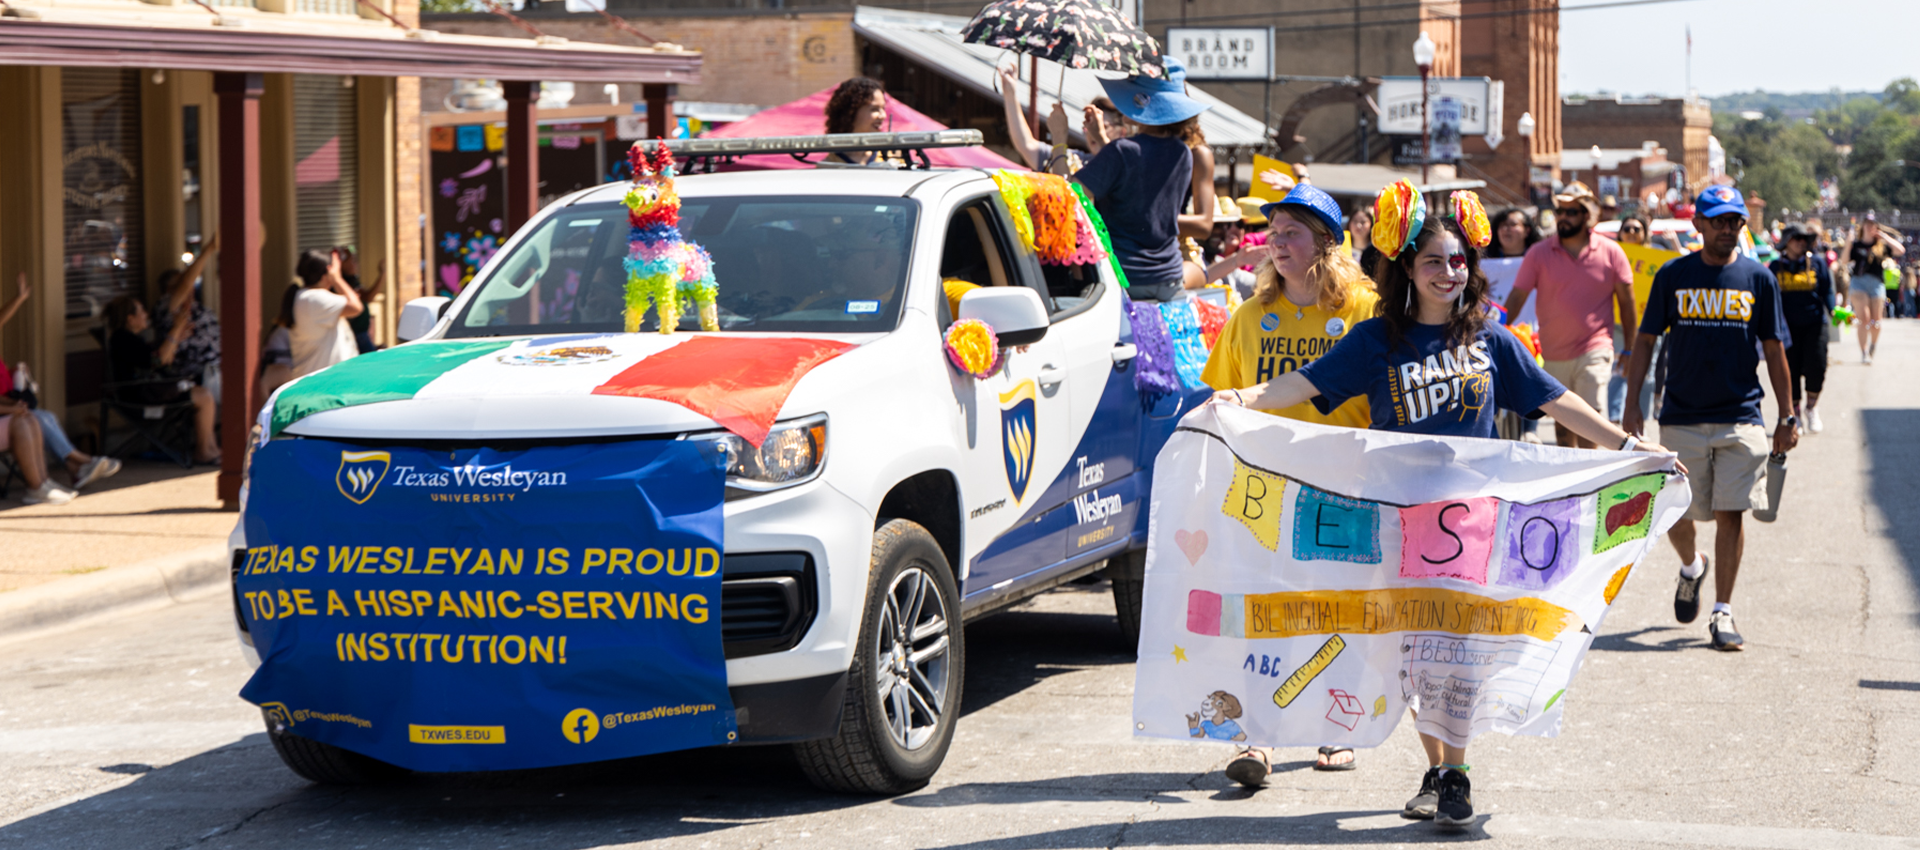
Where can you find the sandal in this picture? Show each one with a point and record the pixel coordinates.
(1326, 759)
(1249, 768)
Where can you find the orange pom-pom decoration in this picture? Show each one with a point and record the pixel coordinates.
(1472, 218)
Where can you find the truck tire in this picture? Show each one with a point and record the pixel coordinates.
(1129, 576)
(903, 690)
(326, 763)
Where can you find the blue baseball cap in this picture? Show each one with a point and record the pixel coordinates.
(1716, 201)
(1152, 101)
(1316, 202)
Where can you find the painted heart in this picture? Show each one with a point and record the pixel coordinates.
(1193, 543)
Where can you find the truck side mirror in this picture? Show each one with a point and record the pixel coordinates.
(1015, 312)
(419, 316)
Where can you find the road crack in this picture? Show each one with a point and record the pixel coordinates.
(331, 800)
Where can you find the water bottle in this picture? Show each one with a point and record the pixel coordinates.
(1776, 482)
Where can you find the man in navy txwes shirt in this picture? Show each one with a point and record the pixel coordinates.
(1721, 316)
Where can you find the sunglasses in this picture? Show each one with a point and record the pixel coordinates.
(1570, 212)
(1633, 228)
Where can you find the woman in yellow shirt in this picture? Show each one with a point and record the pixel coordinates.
(1308, 292)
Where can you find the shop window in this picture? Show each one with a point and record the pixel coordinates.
(100, 183)
(325, 162)
(325, 7)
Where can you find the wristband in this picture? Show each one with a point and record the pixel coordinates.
(1628, 444)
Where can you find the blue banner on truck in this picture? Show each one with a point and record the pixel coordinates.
(486, 610)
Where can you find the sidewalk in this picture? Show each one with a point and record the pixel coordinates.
(147, 511)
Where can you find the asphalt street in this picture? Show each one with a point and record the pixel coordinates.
(129, 734)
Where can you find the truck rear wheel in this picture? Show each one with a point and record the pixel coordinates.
(903, 690)
(325, 763)
(1129, 576)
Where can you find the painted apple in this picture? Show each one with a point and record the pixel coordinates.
(1629, 512)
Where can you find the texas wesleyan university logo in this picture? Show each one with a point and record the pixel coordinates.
(1017, 431)
(361, 473)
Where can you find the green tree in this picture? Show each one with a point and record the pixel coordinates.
(1883, 171)
(1780, 160)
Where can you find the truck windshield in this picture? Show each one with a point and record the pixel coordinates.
(784, 264)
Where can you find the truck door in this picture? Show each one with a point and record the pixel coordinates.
(1019, 430)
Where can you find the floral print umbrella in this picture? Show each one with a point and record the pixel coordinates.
(1085, 34)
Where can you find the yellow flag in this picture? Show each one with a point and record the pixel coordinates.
(1645, 261)
(1262, 165)
(1254, 500)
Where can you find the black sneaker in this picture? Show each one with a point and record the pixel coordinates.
(1724, 637)
(1423, 804)
(1686, 597)
(1455, 809)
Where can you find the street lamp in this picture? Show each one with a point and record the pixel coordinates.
(1423, 57)
(1525, 124)
(1595, 153)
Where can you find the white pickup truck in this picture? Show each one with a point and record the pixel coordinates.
(895, 499)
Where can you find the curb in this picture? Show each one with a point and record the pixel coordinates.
(155, 583)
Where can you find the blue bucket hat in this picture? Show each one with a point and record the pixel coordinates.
(1317, 203)
(1155, 102)
(1716, 201)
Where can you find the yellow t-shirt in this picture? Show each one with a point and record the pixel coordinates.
(956, 289)
(1264, 341)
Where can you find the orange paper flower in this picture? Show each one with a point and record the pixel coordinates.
(1472, 218)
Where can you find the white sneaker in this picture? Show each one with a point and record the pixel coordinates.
(48, 493)
(94, 470)
(1814, 425)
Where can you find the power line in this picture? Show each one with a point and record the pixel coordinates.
(1401, 21)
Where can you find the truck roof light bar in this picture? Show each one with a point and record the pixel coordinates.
(709, 152)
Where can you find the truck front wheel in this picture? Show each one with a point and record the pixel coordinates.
(325, 763)
(903, 690)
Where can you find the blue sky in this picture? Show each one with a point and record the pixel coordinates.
(1740, 45)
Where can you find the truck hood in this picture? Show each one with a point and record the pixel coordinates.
(542, 387)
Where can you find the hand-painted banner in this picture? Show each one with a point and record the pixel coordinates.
(1306, 584)
(487, 610)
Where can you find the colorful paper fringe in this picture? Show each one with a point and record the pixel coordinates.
(1472, 218)
(1153, 364)
(1099, 225)
(1397, 217)
(1213, 318)
(1189, 344)
(663, 269)
(1053, 218)
(973, 348)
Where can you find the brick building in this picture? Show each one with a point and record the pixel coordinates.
(1680, 125)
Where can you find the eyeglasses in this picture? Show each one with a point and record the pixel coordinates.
(1731, 221)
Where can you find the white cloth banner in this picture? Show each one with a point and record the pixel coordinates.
(1305, 584)
(1501, 273)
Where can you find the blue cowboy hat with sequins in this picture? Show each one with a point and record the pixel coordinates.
(1313, 202)
(1155, 102)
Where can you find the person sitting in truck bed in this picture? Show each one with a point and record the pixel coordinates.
(1140, 183)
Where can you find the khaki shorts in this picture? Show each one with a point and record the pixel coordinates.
(1586, 376)
(1724, 465)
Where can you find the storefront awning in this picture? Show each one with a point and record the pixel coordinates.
(186, 37)
(934, 42)
(1366, 180)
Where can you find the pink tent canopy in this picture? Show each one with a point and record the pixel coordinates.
(808, 117)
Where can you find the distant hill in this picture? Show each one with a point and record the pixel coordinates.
(1801, 102)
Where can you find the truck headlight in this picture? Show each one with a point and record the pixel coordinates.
(793, 453)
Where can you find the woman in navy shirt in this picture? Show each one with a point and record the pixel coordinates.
(1431, 362)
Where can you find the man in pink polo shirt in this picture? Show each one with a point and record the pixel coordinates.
(1580, 279)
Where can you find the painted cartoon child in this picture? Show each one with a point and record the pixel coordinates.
(1221, 710)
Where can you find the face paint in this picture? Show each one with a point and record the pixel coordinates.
(1449, 280)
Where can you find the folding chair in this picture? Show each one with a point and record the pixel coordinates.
(166, 427)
